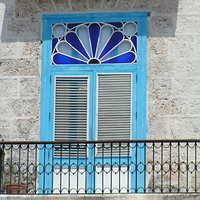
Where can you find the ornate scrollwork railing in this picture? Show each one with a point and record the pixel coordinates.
(133, 166)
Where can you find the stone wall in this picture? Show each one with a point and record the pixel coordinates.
(103, 197)
(173, 63)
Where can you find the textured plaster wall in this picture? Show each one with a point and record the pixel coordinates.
(173, 63)
(104, 197)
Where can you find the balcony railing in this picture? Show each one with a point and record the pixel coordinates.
(142, 166)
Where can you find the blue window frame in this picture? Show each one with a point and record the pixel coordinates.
(65, 53)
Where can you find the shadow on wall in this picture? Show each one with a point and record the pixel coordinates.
(20, 20)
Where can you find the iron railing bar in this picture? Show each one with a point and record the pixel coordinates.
(19, 172)
(11, 164)
(99, 141)
(195, 161)
(44, 170)
(111, 168)
(3, 169)
(52, 167)
(178, 166)
(119, 167)
(145, 168)
(170, 167)
(95, 150)
(36, 168)
(85, 168)
(187, 168)
(128, 167)
(61, 168)
(102, 168)
(77, 169)
(161, 167)
(27, 168)
(136, 168)
(69, 168)
(153, 168)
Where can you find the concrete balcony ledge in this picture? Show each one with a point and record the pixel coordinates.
(104, 197)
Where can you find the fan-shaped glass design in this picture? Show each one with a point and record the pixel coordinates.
(94, 43)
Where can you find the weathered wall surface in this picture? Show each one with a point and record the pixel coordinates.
(173, 63)
(103, 197)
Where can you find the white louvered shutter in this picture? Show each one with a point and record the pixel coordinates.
(114, 107)
(71, 98)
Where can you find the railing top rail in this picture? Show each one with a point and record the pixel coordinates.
(102, 141)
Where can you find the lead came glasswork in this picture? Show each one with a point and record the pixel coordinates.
(94, 43)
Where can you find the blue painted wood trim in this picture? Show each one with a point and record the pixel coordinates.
(142, 80)
(89, 16)
(91, 136)
(138, 178)
(44, 124)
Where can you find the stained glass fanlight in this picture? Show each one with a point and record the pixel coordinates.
(94, 43)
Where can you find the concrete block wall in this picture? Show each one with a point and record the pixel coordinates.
(173, 63)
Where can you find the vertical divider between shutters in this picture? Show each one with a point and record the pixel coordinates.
(133, 152)
(49, 147)
(91, 135)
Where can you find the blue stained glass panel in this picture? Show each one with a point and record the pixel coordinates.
(62, 59)
(116, 24)
(73, 39)
(134, 41)
(70, 26)
(114, 40)
(94, 30)
(124, 58)
(54, 42)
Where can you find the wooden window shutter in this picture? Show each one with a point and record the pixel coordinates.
(71, 99)
(114, 107)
